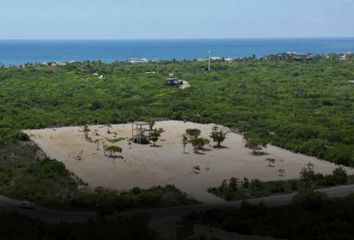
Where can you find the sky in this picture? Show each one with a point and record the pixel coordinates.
(175, 19)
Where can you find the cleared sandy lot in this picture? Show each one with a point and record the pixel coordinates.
(145, 166)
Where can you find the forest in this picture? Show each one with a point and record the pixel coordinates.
(302, 106)
(305, 107)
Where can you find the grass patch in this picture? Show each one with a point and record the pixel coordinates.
(235, 189)
(48, 183)
(115, 140)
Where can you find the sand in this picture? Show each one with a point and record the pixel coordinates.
(145, 166)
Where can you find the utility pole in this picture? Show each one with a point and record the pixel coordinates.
(209, 64)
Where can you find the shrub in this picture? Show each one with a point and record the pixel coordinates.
(155, 134)
(85, 200)
(149, 199)
(310, 199)
(255, 143)
(198, 143)
(22, 136)
(218, 135)
(193, 133)
(340, 176)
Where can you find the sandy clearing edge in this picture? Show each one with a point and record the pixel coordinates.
(144, 166)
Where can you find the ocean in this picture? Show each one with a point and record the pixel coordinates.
(17, 52)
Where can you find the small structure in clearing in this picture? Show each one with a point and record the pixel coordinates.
(138, 60)
(185, 85)
(173, 81)
(176, 82)
(138, 132)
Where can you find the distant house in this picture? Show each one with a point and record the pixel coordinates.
(295, 56)
(302, 56)
(229, 60)
(138, 60)
(343, 57)
(173, 81)
(298, 56)
(216, 58)
(201, 59)
(55, 64)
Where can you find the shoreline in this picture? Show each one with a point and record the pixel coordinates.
(120, 50)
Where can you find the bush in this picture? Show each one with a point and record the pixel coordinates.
(85, 200)
(340, 176)
(193, 133)
(198, 143)
(149, 199)
(218, 135)
(310, 199)
(23, 136)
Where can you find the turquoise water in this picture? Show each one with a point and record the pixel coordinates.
(16, 52)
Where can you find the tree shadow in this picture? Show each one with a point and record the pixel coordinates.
(220, 147)
(206, 149)
(155, 146)
(199, 153)
(115, 157)
(260, 153)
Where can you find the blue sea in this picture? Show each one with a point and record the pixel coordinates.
(16, 52)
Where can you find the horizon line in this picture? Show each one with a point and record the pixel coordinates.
(170, 39)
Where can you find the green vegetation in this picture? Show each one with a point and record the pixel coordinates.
(106, 201)
(306, 107)
(199, 143)
(112, 150)
(310, 199)
(218, 135)
(193, 133)
(18, 227)
(236, 189)
(313, 216)
(115, 140)
(155, 134)
(27, 174)
(193, 136)
(255, 143)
